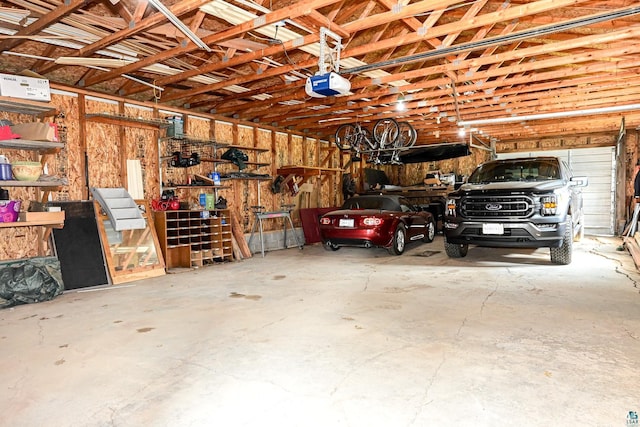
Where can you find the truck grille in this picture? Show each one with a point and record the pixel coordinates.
(515, 207)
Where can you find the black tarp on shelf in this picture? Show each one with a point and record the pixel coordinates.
(435, 152)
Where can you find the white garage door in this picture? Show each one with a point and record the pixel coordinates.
(599, 165)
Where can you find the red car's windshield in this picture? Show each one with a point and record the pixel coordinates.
(378, 203)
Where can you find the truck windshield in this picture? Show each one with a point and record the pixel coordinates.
(516, 170)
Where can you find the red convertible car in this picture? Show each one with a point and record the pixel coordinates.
(382, 221)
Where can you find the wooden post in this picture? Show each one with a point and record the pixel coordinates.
(236, 230)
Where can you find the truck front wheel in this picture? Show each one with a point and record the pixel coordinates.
(456, 250)
(562, 255)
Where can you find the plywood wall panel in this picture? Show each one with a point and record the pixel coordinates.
(103, 144)
(312, 151)
(297, 148)
(282, 157)
(263, 140)
(141, 144)
(70, 159)
(19, 242)
(331, 188)
(245, 136)
(223, 132)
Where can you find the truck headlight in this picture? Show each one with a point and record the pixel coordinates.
(451, 207)
(548, 205)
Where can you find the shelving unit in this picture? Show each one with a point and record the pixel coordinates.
(206, 150)
(42, 148)
(248, 163)
(198, 187)
(44, 227)
(189, 240)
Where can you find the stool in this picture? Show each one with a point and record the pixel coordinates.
(260, 214)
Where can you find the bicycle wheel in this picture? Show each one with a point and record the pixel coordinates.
(386, 132)
(346, 136)
(408, 135)
(365, 144)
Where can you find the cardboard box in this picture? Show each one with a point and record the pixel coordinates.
(36, 131)
(25, 87)
(41, 216)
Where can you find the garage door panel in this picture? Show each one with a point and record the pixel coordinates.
(596, 186)
(598, 165)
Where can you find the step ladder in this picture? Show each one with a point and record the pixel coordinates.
(122, 210)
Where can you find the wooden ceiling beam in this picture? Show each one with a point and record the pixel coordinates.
(482, 77)
(324, 21)
(505, 15)
(119, 36)
(485, 20)
(44, 21)
(411, 22)
(138, 13)
(532, 88)
(351, 27)
(266, 19)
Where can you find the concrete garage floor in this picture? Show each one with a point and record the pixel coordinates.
(348, 338)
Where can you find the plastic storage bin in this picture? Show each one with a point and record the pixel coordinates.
(9, 210)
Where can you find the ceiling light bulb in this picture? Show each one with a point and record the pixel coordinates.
(461, 132)
(400, 103)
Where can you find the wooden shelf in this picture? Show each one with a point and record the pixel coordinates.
(255, 178)
(44, 228)
(25, 144)
(43, 184)
(194, 187)
(25, 106)
(51, 223)
(306, 171)
(259, 164)
(185, 139)
(124, 120)
(242, 147)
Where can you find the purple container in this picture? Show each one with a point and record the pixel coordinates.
(5, 172)
(9, 210)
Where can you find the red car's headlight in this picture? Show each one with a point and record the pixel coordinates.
(325, 221)
(372, 221)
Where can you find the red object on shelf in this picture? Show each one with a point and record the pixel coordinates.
(6, 133)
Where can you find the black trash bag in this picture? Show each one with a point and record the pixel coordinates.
(276, 184)
(28, 281)
(236, 156)
(221, 203)
(348, 186)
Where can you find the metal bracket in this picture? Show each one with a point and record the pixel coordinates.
(324, 50)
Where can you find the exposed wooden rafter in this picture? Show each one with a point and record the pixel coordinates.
(448, 59)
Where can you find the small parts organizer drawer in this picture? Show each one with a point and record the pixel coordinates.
(193, 238)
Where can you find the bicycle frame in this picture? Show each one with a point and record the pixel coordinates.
(381, 147)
